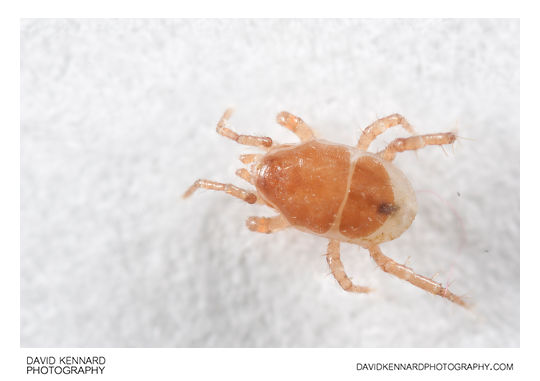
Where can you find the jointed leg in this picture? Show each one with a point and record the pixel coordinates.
(379, 126)
(416, 142)
(249, 158)
(233, 190)
(403, 272)
(332, 257)
(256, 141)
(296, 125)
(267, 224)
(244, 174)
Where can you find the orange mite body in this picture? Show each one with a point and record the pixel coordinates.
(342, 193)
(336, 191)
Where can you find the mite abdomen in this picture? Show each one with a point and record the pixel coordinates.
(369, 201)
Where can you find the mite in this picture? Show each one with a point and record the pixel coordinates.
(342, 193)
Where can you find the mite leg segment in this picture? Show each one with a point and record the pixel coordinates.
(248, 140)
(332, 257)
(379, 126)
(240, 193)
(267, 224)
(403, 272)
(416, 142)
(296, 125)
(249, 158)
(244, 175)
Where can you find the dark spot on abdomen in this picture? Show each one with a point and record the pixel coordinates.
(387, 208)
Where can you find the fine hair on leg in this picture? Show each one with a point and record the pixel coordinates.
(416, 142)
(403, 272)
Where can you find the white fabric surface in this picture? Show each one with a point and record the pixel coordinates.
(118, 119)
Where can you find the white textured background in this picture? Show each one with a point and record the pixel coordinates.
(118, 119)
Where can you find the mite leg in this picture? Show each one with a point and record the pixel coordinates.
(267, 224)
(403, 272)
(249, 140)
(379, 126)
(244, 175)
(332, 257)
(249, 158)
(240, 193)
(296, 125)
(416, 142)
